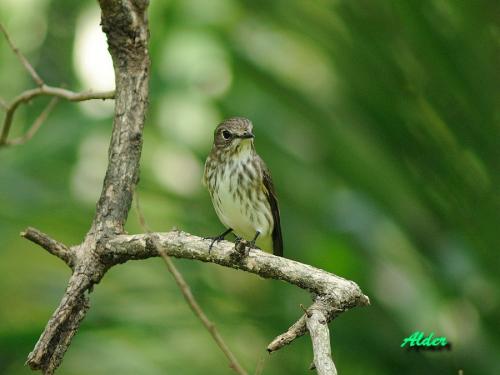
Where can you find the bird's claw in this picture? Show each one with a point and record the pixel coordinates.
(214, 239)
(218, 238)
(243, 247)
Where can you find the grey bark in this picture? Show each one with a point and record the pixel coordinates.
(333, 294)
(317, 326)
(344, 293)
(125, 24)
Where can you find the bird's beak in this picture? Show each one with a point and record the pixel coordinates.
(246, 135)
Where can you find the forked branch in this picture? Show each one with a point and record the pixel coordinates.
(126, 26)
(41, 90)
(334, 294)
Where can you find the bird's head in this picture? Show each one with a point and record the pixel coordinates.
(233, 133)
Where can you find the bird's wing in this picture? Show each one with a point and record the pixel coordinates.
(273, 203)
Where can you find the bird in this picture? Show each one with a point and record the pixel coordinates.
(241, 188)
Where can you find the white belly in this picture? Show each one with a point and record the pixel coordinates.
(243, 213)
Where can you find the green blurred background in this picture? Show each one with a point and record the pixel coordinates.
(380, 121)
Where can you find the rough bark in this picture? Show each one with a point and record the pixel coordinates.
(345, 293)
(125, 24)
(317, 325)
(333, 294)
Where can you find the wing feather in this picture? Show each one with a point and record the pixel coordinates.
(273, 203)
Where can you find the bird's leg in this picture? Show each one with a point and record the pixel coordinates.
(251, 244)
(243, 247)
(218, 238)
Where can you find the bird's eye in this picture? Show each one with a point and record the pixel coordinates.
(226, 134)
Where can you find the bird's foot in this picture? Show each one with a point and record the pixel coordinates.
(243, 246)
(216, 239)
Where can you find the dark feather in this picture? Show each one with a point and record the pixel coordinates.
(273, 202)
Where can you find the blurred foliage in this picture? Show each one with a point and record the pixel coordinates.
(380, 121)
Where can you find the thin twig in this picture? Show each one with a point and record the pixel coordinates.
(45, 90)
(42, 89)
(140, 215)
(23, 59)
(209, 325)
(324, 304)
(260, 364)
(36, 125)
(52, 246)
(189, 297)
(3, 104)
(296, 330)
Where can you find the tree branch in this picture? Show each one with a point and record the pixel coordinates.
(45, 90)
(317, 326)
(3, 103)
(56, 338)
(52, 246)
(297, 329)
(184, 245)
(334, 294)
(21, 58)
(41, 90)
(193, 304)
(125, 24)
(36, 125)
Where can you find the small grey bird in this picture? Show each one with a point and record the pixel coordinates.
(241, 188)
